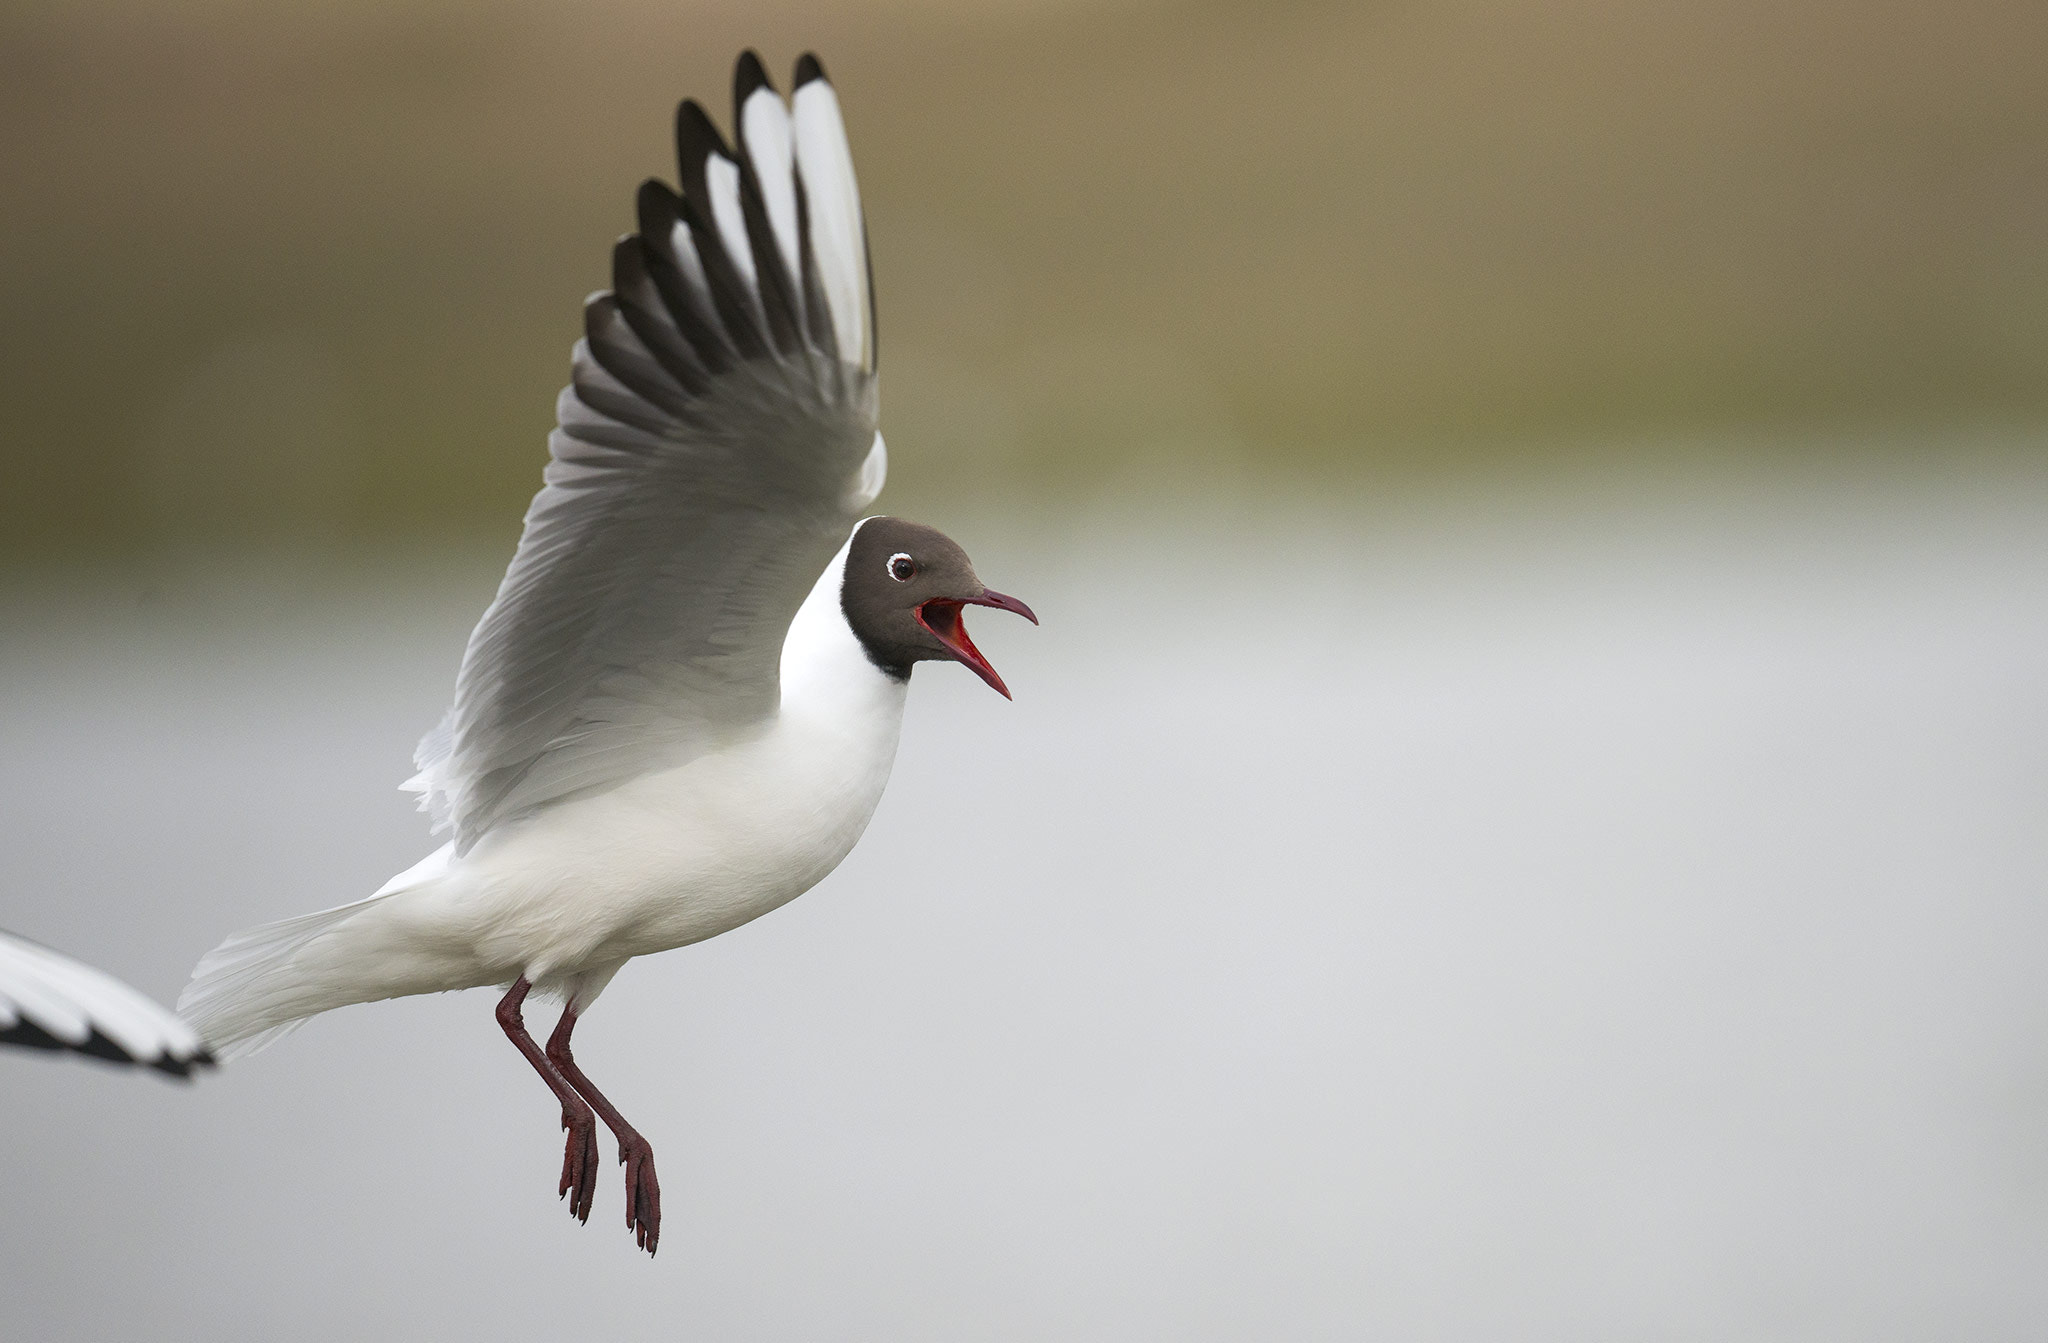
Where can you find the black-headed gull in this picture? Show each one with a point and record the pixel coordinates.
(49, 1001)
(681, 709)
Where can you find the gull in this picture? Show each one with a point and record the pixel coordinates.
(681, 708)
(49, 1001)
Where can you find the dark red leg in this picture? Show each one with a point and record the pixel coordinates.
(579, 1157)
(643, 1191)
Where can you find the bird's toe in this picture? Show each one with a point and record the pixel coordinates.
(579, 1164)
(643, 1194)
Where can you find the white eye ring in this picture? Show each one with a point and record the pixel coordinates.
(902, 567)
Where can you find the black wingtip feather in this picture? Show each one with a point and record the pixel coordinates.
(656, 208)
(697, 138)
(610, 336)
(26, 1034)
(808, 68)
(676, 339)
(748, 76)
(183, 1069)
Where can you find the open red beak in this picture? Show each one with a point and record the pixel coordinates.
(941, 615)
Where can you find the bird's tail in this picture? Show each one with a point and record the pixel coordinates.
(262, 983)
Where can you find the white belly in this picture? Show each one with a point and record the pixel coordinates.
(667, 859)
(675, 857)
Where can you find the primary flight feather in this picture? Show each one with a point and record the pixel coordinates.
(49, 1001)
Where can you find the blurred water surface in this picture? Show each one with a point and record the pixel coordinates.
(1601, 908)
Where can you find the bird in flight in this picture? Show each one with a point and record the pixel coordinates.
(49, 1001)
(681, 708)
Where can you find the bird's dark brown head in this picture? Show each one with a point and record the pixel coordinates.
(903, 590)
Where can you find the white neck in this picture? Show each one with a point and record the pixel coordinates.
(826, 671)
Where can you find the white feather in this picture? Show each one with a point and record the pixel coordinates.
(112, 1008)
(722, 179)
(764, 124)
(39, 1001)
(693, 266)
(256, 987)
(838, 237)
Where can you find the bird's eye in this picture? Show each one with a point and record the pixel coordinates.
(902, 568)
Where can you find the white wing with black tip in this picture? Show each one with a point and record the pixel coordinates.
(49, 1001)
(714, 449)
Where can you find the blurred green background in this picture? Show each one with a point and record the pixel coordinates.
(312, 271)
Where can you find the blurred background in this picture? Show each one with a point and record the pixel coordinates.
(1524, 818)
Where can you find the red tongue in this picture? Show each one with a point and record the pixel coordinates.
(941, 616)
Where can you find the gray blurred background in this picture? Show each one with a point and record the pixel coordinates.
(1524, 819)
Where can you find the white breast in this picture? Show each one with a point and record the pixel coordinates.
(688, 853)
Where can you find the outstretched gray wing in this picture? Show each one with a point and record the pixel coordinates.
(713, 450)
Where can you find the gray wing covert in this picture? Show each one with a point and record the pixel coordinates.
(712, 452)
